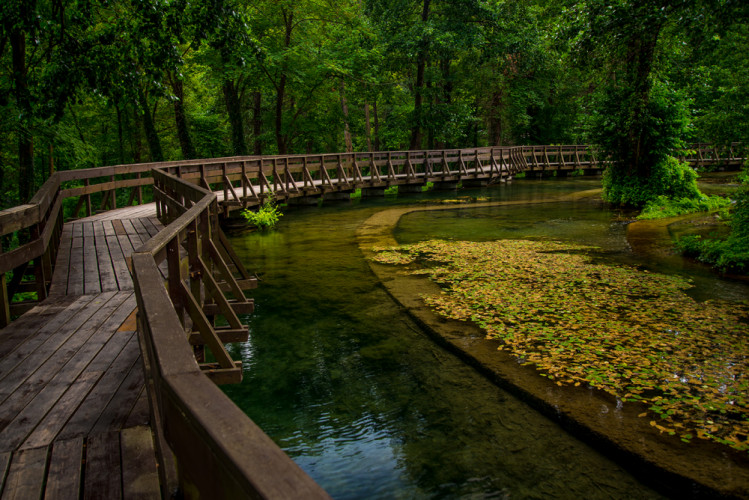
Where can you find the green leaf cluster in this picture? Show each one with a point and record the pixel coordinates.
(732, 253)
(265, 217)
(663, 207)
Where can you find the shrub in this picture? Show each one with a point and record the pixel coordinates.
(662, 207)
(266, 216)
(669, 177)
(732, 253)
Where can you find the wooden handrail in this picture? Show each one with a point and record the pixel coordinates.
(219, 451)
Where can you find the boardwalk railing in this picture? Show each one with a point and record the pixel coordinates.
(220, 453)
(244, 182)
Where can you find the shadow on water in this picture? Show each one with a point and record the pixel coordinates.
(362, 400)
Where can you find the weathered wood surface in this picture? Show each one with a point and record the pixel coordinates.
(94, 253)
(74, 413)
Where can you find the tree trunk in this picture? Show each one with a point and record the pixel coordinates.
(376, 125)
(281, 142)
(640, 57)
(419, 87)
(183, 132)
(152, 137)
(234, 110)
(120, 145)
(280, 139)
(367, 126)
(23, 101)
(257, 122)
(136, 140)
(495, 118)
(344, 109)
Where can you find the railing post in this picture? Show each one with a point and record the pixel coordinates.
(113, 194)
(174, 278)
(87, 183)
(4, 298)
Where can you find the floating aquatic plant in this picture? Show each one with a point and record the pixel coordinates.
(631, 333)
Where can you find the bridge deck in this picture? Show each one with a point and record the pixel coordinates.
(74, 416)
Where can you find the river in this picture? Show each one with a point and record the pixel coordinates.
(349, 386)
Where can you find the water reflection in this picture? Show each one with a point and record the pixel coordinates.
(344, 382)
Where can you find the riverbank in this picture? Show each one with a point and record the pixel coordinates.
(699, 469)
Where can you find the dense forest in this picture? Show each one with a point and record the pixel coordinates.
(86, 83)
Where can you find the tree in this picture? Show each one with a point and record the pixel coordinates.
(640, 118)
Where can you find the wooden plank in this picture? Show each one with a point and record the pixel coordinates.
(4, 463)
(140, 414)
(94, 357)
(102, 478)
(28, 326)
(117, 411)
(121, 272)
(44, 363)
(26, 475)
(91, 283)
(128, 225)
(139, 227)
(81, 400)
(75, 273)
(108, 228)
(153, 226)
(19, 353)
(19, 217)
(136, 240)
(88, 229)
(62, 264)
(96, 401)
(107, 278)
(119, 229)
(140, 477)
(65, 467)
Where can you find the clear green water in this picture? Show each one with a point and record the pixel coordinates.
(362, 400)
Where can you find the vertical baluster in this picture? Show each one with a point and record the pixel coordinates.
(87, 183)
(175, 278)
(4, 298)
(113, 194)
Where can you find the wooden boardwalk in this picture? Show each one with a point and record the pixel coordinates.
(74, 414)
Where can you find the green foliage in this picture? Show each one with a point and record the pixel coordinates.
(109, 82)
(266, 217)
(732, 253)
(635, 335)
(669, 177)
(663, 207)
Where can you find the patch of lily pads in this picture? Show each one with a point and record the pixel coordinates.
(631, 333)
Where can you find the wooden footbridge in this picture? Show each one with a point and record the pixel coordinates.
(104, 389)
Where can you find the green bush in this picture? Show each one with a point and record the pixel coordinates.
(669, 177)
(662, 206)
(266, 217)
(732, 253)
